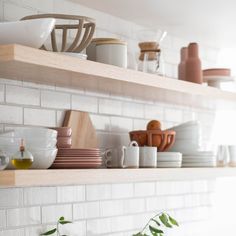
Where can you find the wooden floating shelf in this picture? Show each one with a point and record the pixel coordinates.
(21, 178)
(23, 63)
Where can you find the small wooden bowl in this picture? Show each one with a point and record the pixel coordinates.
(163, 140)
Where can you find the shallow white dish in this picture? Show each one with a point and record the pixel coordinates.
(169, 164)
(31, 132)
(205, 164)
(169, 157)
(199, 160)
(199, 154)
(32, 33)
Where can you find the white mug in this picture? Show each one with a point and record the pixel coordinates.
(120, 157)
(148, 157)
(130, 157)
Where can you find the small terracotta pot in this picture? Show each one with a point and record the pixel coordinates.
(217, 72)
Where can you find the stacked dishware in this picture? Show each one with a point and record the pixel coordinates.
(188, 137)
(72, 158)
(188, 142)
(199, 159)
(64, 139)
(40, 142)
(169, 159)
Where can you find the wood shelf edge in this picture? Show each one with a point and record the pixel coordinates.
(26, 178)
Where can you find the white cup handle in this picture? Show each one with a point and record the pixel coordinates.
(123, 156)
(133, 144)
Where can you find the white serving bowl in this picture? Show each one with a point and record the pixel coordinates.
(29, 143)
(184, 146)
(189, 124)
(31, 132)
(194, 134)
(43, 158)
(32, 33)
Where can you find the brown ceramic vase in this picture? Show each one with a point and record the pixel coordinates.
(193, 65)
(182, 64)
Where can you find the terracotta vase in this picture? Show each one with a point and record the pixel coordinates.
(182, 64)
(193, 72)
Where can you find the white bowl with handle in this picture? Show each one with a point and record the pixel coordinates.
(32, 33)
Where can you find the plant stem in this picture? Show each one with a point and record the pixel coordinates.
(150, 221)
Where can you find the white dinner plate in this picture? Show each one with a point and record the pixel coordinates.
(169, 164)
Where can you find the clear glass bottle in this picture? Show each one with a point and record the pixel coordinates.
(22, 159)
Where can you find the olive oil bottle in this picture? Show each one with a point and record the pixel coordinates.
(23, 159)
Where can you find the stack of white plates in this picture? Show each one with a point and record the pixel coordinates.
(188, 136)
(199, 159)
(169, 159)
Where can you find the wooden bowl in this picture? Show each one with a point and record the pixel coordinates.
(163, 140)
(82, 26)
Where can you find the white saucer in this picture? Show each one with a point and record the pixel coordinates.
(199, 153)
(169, 164)
(198, 161)
(206, 164)
(169, 157)
(218, 78)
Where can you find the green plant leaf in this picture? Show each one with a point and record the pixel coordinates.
(165, 221)
(61, 218)
(173, 221)
(63, 222)
(157, 222)
(52, 231)
(155, 230)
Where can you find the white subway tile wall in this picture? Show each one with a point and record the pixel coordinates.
(107, 209)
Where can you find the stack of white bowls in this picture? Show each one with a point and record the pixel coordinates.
(188, 142)
(169, 159)
(188, 136)
(41, 142)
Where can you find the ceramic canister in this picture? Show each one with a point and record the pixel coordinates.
(193, 65)
(182, 64)
(112, 52)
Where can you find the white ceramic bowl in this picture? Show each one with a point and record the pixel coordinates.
(29, 143)
(32, 33)
(31, 132)
(43, 158)
(184, 146)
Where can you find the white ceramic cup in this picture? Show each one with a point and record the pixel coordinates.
(113, 158)
(122, 157)
(147, 157)
(232, 154)
(130, 156)
(113, 54)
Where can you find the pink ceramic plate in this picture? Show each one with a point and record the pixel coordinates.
(74, 166)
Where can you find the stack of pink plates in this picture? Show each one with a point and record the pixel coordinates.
(71, 158)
